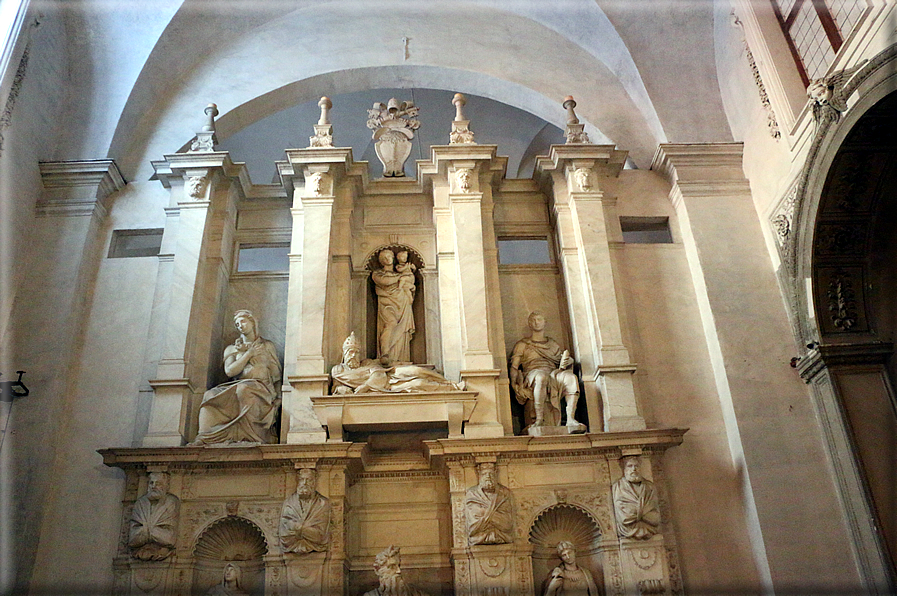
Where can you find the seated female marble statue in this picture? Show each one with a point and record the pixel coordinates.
(231, 583)
(243, 410)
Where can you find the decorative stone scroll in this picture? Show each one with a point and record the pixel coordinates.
(393, 124)
(243, 410)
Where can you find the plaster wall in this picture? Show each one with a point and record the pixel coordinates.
(98, 407)
(675, 384)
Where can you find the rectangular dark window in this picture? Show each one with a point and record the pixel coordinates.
(523, 251)
(646, 230)
(270, 257)
(135, 243)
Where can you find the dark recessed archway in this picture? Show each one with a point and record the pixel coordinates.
(854, 273)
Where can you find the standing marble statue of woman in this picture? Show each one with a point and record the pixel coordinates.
(244, 409)
(395, 320)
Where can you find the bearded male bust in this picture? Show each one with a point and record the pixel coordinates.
(490, 509)
(154, 521)
(388, 567)
(305, 517)
(635, 502)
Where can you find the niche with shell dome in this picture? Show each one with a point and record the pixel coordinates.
(230, 540)
(564, 522)
(418, 309)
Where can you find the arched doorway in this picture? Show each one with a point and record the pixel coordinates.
(854, 280)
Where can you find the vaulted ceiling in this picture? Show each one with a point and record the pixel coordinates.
(140, 73)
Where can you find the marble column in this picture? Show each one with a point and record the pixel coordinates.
(586, 222)
(194, 267)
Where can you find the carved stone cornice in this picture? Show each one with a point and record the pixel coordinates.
(584, 445)
(832, 356)
(696, 162)
(201, 457)
(606, 160)
(176, 167)
(337, 161)
(73, 188)
(445, 157)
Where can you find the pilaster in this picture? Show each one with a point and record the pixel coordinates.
(583, 216)
(771, 434)
(850, 388)
(204, 187)
(324, 182)
(462, 177)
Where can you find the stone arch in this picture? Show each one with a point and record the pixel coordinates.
(565, 522)
(844, 319)
(226, 540)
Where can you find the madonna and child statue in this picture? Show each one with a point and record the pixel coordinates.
(395, 288)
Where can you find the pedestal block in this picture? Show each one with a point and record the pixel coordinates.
(493, 570)
(644, 564)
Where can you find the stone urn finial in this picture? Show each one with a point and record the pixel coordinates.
(461, 133)
(459, 101)
(325, 104)
(569, 104)
(574, 131)
(323, 129)
(205, 139)
(211, 113)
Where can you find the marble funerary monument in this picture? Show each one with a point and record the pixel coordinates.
(421, 408)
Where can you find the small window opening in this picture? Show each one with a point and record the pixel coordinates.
(135, 243)
(263, 258)
(523, 251)
(646, 230)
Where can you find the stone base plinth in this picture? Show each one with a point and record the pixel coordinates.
(494, 569)
(551, 431)
(644, 564)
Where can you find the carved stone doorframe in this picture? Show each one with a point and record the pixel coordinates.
(824, 232)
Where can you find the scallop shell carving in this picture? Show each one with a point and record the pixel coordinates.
(231, 539)
(564, 522)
